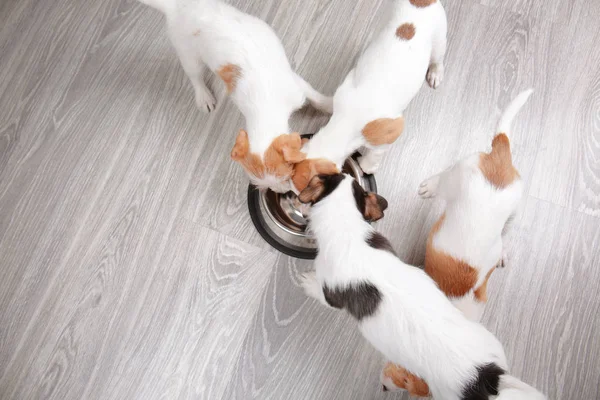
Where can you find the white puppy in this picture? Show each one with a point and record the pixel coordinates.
(368, 106)
(400, 310)
(248, 56)
(482, 193)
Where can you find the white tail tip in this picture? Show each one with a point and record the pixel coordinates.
(511, 111)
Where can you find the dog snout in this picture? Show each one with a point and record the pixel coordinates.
(385, 389)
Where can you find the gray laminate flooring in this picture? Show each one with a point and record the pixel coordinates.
(129, 267)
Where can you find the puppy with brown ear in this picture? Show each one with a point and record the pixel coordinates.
(250, 59)
(400, 310)
(482, 192)
(369, 105)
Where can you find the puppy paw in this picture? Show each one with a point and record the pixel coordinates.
(428, 188)
(205, 101)
(435, 75)
(504, 260)
(311, 286)
(367, 165)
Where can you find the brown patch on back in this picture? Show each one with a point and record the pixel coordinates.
(422, 3)
(405, 31)
(383, 131)
(405, 380)
(305, 170)
(454, 277)
(230, 74)
(496, 166)
(481, 291)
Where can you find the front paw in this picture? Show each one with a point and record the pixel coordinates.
(435, 75)
(311, 286)
(428, 188)
(205, 101)
(368, 166)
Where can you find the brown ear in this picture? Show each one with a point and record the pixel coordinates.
(242, 146)
(326, 167)
(374, 207)
(313, 191)
(290, 148)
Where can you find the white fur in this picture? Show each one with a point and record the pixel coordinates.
(385, 79)
(209, 33)
(415, 324)
(476, 213)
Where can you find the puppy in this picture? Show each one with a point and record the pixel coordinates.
(250, 59)
(399, 309)
(368, 106)
(482, 194)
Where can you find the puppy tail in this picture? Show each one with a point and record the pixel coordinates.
(317, 100)
(511, 111)
(511, 388)
(165, 6)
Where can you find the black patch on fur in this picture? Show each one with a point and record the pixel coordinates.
(359, 299)
(377, 241)
(330, 183)
(485, 385)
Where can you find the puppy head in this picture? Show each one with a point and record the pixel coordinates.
(395, 378)
(305, 170)
(370, 205)
(274, 169)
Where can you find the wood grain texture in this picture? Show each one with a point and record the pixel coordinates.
(129, 264)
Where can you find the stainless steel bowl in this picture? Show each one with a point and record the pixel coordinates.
(279, 220)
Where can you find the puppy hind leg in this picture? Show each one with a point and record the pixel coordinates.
(194, 69)
(435, 72)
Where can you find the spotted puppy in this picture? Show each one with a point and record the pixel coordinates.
(250, 59)
(368, 106)
(400, 310)
(482, 194)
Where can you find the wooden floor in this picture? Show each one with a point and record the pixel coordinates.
(129, 267)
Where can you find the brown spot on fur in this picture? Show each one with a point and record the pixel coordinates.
(197, 32)
(230, 74)
(305, 170)
(481, 291)
(383, 130)
(405, 31)
(405, 380)
(497, 165)
(278, 158)
(454, 277)
(422, 3)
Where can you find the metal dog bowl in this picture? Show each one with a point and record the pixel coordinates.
(280, 222)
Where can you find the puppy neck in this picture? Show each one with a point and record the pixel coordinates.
(336, 218)
(335, 141)
(263, 129)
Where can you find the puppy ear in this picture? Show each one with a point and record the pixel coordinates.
(374, 207)
(242, 146)
(290, 148)
(325, 167)
(313, 191)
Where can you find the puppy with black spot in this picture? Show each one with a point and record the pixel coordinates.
(248, 56)
(400, 310)
(369, 104)
(482, 194)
